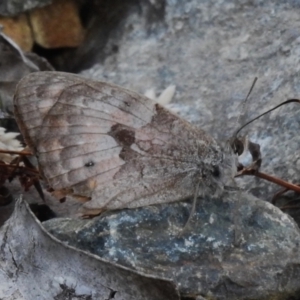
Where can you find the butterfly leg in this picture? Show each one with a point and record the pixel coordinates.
(192, 212)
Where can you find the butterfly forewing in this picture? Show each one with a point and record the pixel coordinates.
(110, 144)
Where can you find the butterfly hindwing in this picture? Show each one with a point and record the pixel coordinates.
(98, 140)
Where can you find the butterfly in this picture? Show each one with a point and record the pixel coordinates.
(113, 148)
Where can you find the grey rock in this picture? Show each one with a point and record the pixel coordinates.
(15, 7)
(236, 246)
(212, 51)
(36, 266)
(14, 65)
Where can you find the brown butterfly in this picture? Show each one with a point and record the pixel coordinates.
(113, 147)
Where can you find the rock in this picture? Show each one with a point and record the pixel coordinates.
(57, 25)
(15, 7)
(236, 246)
(35, 265)
(18, 29)
(14, 65)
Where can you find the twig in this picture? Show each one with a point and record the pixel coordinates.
(270, 178)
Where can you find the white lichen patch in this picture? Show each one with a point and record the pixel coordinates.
(8, 141)
(164, 98)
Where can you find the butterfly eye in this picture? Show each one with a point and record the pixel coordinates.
(237, 146)
(89, 164)
(216, 171)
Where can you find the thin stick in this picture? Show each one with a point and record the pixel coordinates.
(270, 178)
(277, 195)
(290, 207)
(29, 170)
(16, 152)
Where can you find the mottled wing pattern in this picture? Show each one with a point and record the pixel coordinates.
(114, 146)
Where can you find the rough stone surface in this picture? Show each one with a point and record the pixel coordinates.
(212, 51)
(236, 247)
(14, 65)
(35, 266)
(15, 7)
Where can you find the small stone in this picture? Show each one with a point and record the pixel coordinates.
(18, 29)
(57, 25)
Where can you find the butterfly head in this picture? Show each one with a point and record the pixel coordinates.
(219, 168)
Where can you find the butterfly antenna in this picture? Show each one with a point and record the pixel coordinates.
(266, 112)
(246, 99)
(193, 209)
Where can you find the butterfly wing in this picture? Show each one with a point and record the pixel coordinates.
(114, 146)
